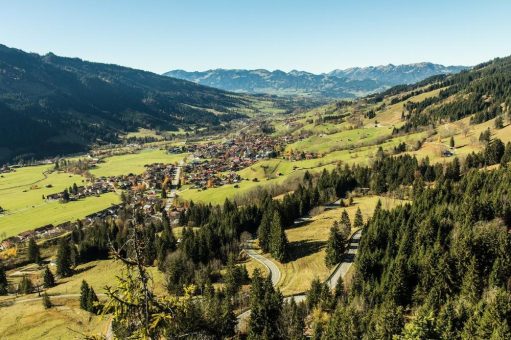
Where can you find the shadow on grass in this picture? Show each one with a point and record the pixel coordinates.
(83, 269)
(303, 248)
(299, 224)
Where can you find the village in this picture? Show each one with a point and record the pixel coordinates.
(146, 190)
(208, 165)
(215, 164)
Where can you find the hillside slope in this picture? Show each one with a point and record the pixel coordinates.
(349, 83)
(53, 105)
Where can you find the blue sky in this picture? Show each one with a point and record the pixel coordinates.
(315, 35)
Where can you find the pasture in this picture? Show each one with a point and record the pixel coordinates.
(307, 244)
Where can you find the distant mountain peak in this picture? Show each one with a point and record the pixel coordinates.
(347, 83)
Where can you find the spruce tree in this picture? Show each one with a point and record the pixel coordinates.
(3, 281)
(334, 247)
(499, 122)
(232, 278)
(33, 253)
(451, 142)
(64, 259)
(340, 290)
(84, 295)
(46, 301)
(359, 220)
(26, 286)
(471, 285)
(263, 232)
(49, 279)
(345, 226)
(266, 310)
(92, 301)
(278, 240)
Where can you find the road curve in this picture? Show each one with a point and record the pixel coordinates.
(340, 271)
(272, 267)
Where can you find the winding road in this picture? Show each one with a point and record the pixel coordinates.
(339, 272)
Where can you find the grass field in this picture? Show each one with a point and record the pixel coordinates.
(324, 143)
(21, 195)
(134, 163)
(307, 244)
(29, 320)
(53, 213)
(392, 114)
(22, 191)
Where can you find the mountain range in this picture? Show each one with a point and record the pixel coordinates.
(55, 105)
(348, 83)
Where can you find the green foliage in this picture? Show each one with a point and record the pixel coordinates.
(33, 252)
(278, 240)
(25, 286)
(76, 94)
(449, 249)
(499, 122)
(266, 309)
(3, 281)
(48, 278)
(335, 247)
(64, 261)
(359, 220)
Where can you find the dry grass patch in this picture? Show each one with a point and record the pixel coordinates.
(307, 244)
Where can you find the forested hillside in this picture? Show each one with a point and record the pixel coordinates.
(53, 105)
(484, 92)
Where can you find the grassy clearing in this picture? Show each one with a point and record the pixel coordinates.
(134, 163)
(466, 138)
(307, 244)
(392, 114)
(30, 320)
(99, 274)
(324, 143)
(53, 213)
(218, 195)
(65, 320)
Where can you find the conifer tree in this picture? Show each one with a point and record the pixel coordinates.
(345, 226)
(471, 285)
(46, 301)
(359, 220)
(84, 295)
(451, 142)
(278, 241)
(64, 259)
(264, 231)
(49, 279)
(92, 301)
(266, 309)
(3, 281)
(33, 252)
(340, 290)
(499, 122)
(335, 246)
(25, 286)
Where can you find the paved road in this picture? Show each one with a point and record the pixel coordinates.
(272, 267)
(340, 271)
(342, 268)
(347, 262)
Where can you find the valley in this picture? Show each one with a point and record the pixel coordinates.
(192, 216)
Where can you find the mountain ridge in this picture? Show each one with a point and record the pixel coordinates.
(52, 105)
(348, 83)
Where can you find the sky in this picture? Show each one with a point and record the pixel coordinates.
(315, 36)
